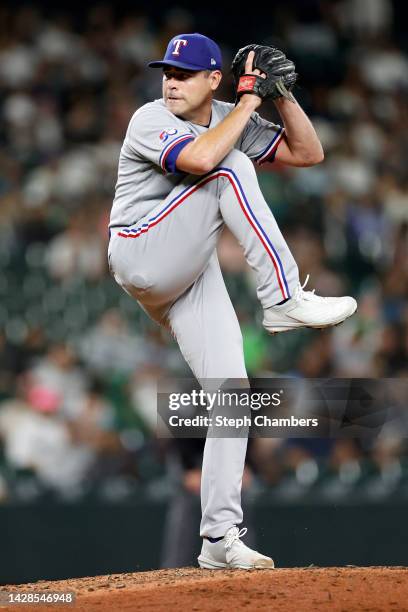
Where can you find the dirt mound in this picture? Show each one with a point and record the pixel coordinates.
(305, 589)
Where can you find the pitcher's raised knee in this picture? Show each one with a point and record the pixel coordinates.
(238, 162)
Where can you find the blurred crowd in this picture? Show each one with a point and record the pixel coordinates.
(79, 360)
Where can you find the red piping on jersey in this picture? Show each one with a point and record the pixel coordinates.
(271, 149)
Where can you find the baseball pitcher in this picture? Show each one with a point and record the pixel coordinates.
(186, 169)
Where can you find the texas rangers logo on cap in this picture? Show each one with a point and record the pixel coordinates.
(192, 52)
(177, 43)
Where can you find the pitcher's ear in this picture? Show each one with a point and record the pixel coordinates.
(215, 76)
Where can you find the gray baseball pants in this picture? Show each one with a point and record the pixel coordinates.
(168, 262)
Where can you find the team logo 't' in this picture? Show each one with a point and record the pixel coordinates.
(177, 43)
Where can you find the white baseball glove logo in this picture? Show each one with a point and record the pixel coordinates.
(177, 43)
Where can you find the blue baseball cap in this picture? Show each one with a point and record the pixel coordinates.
(191, 51)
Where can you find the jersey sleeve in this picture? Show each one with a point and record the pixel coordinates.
(156, 135)
(261, 139)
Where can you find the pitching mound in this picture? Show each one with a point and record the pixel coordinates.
(343, 589)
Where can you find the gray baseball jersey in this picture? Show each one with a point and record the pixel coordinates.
(147, 164)
(164, 227)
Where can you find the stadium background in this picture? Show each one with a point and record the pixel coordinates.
(80, 467)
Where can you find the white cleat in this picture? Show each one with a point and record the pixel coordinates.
(232, 553)
(305, 309)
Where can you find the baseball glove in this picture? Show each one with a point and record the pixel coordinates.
(280, 73)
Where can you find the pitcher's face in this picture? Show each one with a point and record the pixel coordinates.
(185, 91)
